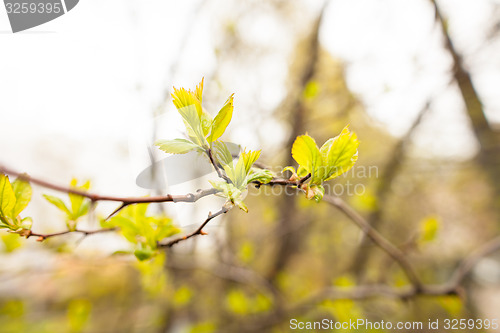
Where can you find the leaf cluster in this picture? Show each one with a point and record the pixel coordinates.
(142, 230)
(14, 197)
(201, 129)
(204, 133)
(79, 205)
(336, 156)
(239, 173)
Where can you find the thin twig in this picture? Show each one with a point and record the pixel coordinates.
(283, 182)
(377, 238)
(198, 231)
(42, 237)
(217, 166)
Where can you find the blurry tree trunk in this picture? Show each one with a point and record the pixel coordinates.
(288, 219)
(489, 140)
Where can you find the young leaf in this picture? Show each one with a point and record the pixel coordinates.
(77, 200)
(249, 159)
(222, 120)
(341, 153)
(176, 146)
(58, 203)
(192, 121)
(144, 253)
(185, 98)
(22, 191)
(7, 197)
(239, 173)
(306, 153)
(261, 176)
(222, 153)
(199, 90)
(142, 230)
(206, 122)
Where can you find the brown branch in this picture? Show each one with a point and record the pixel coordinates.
(190, 197)
(377, 238)
(283, 182)
(217, 167)
(382, 191)
(42, 237)
(198, 231)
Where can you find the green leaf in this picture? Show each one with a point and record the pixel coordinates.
(22, 191)
(176, 146)
(58, 203)
(340, 153)
(318, 192)
(192, 121)
(241, 205)
(306, 153)
(144, 253)
(199, 90)
(183, 98)
(84, 209)
(188, 103)
(142, 230)
(26, 223)
(206, 122)
(238, 175)
(7, 197)
(301, 171)
(249, 159)
(222, 153)
(261, 176)
(222, 120)
(77, 200)
(11, 241)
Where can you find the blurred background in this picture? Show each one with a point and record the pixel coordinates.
(87, 94)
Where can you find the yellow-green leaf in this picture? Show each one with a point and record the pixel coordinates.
(77, 200)
(58, 203)
(306, 153)
(239, 174)
(262, 176)
(249, 159)
(199, 90)
(7, 197)
(22, 191)
(176, 146)
(206, 122)
(222, 153)
(192, 121)
(340, 153)
(222, 120)
(184, 98)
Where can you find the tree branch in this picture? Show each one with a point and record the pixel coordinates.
(283, 182)
(198, 231)
(382, 191)
(217, 167)
(190, 197)
(377, 238)
(42, 237)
